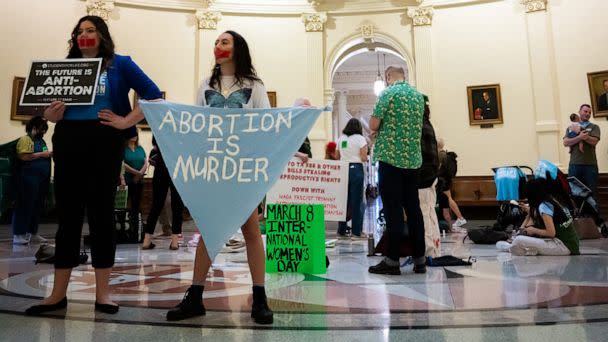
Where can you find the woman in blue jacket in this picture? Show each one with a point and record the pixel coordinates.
(88, 146)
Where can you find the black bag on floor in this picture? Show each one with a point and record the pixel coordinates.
(447, 260)
(487, 236)
(46, 255)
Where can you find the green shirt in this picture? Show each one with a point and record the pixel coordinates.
(587, 157)
(564, 225)
(134, 159)
(400, 108)
(25, 145)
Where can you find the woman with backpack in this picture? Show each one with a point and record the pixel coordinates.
(547, 230)
(447, 171)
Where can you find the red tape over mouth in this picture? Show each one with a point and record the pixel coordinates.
(221, 53)
(86, 42)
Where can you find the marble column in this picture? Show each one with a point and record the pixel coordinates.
(342, 115)
(544, 76)
(207, 33)
(314, 24)
(422, 18)
(330, 120)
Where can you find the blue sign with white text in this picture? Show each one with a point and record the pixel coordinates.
(224, 160)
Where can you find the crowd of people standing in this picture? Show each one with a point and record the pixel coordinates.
(414, 173)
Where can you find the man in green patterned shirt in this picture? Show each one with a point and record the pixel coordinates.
(397, 124)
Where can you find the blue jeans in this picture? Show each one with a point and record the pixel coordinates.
(355, 199)
(32, 190)
(587, 174)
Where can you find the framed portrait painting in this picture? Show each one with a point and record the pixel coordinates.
(485, 104)
(598, 90)
(143, 124)
(22, 113)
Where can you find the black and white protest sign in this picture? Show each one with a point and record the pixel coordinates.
(73, 81)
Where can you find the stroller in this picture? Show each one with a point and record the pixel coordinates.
(510, 189)
(584, 203)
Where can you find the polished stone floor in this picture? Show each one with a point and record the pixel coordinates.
(499, 298)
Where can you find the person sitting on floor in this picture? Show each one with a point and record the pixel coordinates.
(547, 230)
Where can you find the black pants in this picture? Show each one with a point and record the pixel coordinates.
(161, 183)
(399, 190)
(135, 193)
(88, 157)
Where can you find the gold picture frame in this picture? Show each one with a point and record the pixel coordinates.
(272, 97)
(485, 104)
(143, 124)
(22, 113)
(598, 91)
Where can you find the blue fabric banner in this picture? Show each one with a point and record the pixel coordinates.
(544, 167)
(224, 160)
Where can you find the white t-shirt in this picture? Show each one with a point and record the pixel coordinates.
(249, 95)
(350, 147)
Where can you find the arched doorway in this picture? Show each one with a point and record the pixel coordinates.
(351, 70)
(354, 81)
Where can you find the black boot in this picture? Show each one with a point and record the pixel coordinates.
(190, 306)
(260, 312)
(386, 266)
(420, 265)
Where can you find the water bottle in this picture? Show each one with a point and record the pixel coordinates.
(370, 245)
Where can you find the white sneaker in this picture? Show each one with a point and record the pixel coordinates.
(523, 251)
(459, 222)
(36, 238)
(20, 239)
(503, 246)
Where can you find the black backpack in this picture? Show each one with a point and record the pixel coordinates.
(430, 158)
(451, 164)
(487, 236)
(509, 215)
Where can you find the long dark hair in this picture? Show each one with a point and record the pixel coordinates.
(538, 191)
(243, 68)
(106, 44)
(427, 109)
(353, 126)
(37, 122)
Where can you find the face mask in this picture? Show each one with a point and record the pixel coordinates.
(221, 53)
(86, 42)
